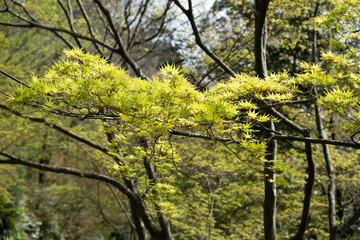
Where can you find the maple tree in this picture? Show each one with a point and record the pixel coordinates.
(140, 131)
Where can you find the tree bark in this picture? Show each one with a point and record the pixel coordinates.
(261, 7)
(165, 233)
(330, 172)
(310, 170)
(139, 225)
(270, 187)
(308, 189)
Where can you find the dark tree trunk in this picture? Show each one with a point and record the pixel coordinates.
(308, 190)
(261, 70)
(260, 37)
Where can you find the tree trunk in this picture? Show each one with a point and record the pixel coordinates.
(270, 175)
(270, 187)
(260, 37)
(330, 172)
(165, 233)
(308, 190)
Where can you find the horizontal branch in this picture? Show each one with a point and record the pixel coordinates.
(207, 137)
(56, 29)
(288, 103)
(60, 129)
(315, 140)
(133, 197)
(70, 171)
(274, 137)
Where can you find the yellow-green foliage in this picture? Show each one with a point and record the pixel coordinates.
(86, 86)
(140, 114)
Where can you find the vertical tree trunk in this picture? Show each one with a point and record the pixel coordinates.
(308, 189)
(327, 156)
(261, 70)
(270, 187)
(330, 172)
(139, 225)
(165, 233)
(260, 37)
(315, 34)
(310, 170)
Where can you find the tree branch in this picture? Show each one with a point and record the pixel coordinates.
(136, 29)
(70, 171)
(207, 137)
(14, 78)
(274, 137)
(121, 49)
(33, 19)
(70, 21)
(288, 122)
(315, 140)
(134, 198)
(287, 103)
(60, 129)
(308, 190)
(56, 29)
(189, 14)
(329, 170)
(89, 25)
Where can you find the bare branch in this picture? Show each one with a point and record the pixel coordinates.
(315, 140)
(60, 129)
(33, 19)
(119, 41)
(288, 121)
(68, 43)
(2, 92)
(89, 25)
(25, 10)
(56, 29)
(122, 206)
(70, 171)
(161, 27)
(104, 21)
(207, 137)
(330, 170)
(308, 190)
(275, 137)
(190, 16)
(310, 100)
(14, 78)
(136, 29)
(69, 18)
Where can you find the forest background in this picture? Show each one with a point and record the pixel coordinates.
(155, 119)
